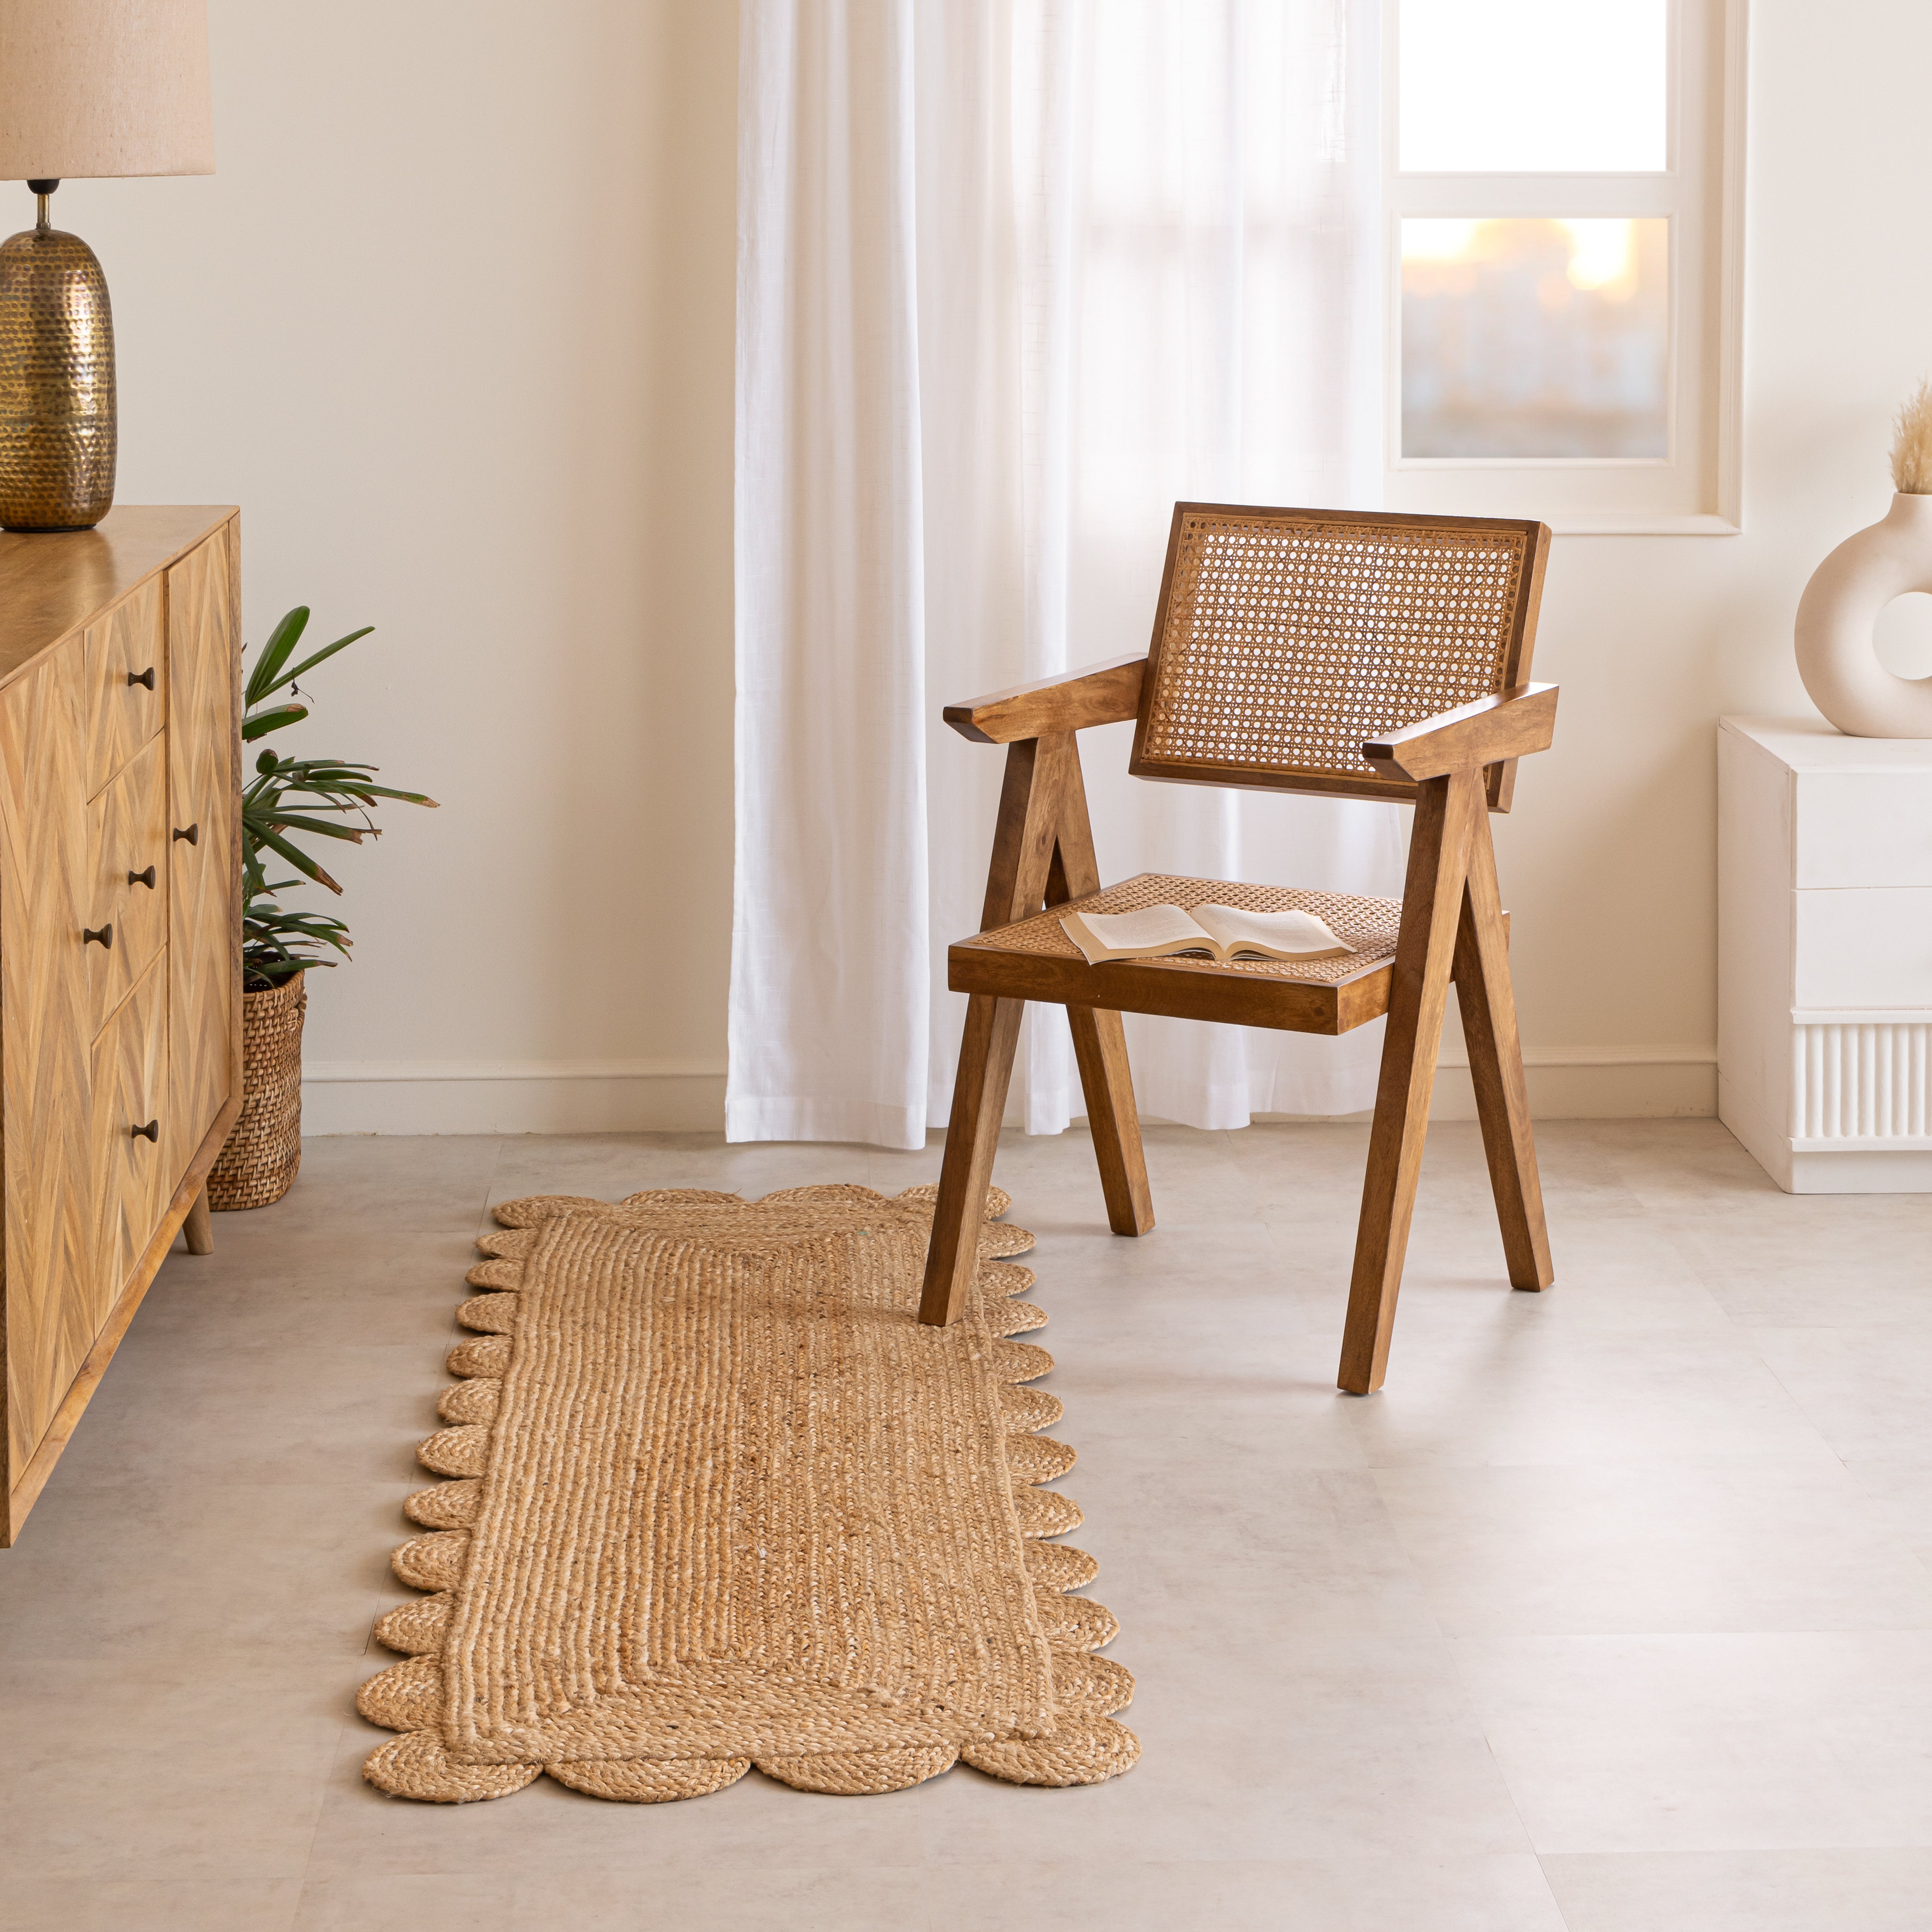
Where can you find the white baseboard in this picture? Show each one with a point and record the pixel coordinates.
(1597, 1083)
(511, 1097)
(561, 1096)
(1587, 1083)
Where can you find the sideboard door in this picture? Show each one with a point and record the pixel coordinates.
(45, 1113)
(131, 1184)
(202, 668)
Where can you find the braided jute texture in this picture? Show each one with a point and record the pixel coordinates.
(257, 1163)
(716, 1498)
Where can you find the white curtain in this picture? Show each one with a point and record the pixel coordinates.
(1014, 276)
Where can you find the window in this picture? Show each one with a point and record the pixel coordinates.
(1563, 229)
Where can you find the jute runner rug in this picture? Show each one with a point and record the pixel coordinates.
(717, 1499)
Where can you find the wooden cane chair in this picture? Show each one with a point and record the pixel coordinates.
(1354, 655)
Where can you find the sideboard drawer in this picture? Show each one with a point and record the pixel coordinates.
(1869, 948)
(126, 677)
(128, 877)
(132, 1183)
(1855, 828)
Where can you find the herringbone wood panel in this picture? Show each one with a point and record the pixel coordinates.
(126, 832)
(122, 717)
(43, 1056)
(89, 1208)
(132, 1177)
(203, 663)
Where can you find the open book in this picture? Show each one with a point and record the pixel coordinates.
(1223, 932)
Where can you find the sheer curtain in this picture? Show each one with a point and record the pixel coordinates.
(1014, 276)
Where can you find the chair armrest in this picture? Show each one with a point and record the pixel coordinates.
(1101, 693)
(1509, 725)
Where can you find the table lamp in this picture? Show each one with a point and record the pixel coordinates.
(88, 89)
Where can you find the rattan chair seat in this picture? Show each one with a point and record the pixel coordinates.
(1034, 958)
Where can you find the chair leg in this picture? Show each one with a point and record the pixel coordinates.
(979, 1100)
(1438, 856)
(1100, 1046)
(1484, 992)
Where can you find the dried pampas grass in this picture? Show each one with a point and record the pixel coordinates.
(1911, 445)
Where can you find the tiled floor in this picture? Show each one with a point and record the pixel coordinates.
(1612, 1612)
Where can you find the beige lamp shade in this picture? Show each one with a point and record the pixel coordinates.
(91, 88)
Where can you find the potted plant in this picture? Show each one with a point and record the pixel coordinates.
(286, 799)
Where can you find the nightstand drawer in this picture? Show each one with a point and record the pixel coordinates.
(1871, 948)
(1856, 828)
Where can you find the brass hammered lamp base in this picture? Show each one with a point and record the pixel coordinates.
(57, 411)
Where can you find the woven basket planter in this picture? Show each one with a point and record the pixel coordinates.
(258, 1164)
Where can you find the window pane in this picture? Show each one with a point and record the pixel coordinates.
(1534, 86)
(1535, 338)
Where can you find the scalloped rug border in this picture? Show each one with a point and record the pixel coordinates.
(1088, 1748)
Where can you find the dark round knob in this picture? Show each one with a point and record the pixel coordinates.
(192, 834)
(146, 677)
(152, 1132)
(146, 878)
(104, 937)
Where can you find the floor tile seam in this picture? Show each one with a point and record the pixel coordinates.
(1285, 1262)
(193, 1651)
(1446, 1644)
(349, 1726)
(1668, 1227)
(1920, 1552)
(1737, 1847)
(1543, 1867)
(1740, 1459)
(1876, 1539)
(1771, 1369)
(288, 1923)
(1474, 1706)
(1656, 1634)
(1747, 1459)
(484, 1220)
(1679, 1642)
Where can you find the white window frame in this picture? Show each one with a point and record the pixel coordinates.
(1697, 489)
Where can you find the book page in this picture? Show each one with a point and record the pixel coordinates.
(1276, 935)
(1141, 934)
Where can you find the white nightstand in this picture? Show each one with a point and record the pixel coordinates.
(1825, 954)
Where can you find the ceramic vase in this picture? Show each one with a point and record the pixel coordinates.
(1835, 619)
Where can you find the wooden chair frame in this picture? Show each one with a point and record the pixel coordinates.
(1452, 928)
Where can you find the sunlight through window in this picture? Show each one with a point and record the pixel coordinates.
(1534, 86)
(1535, 338)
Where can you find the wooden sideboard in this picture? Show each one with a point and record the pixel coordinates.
(120, 939)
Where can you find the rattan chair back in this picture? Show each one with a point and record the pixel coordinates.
(1284, 639)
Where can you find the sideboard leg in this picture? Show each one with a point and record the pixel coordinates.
(198, 1228)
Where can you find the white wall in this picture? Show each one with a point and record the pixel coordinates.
(453, 324)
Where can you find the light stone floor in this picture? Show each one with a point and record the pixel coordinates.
(1613, 1612)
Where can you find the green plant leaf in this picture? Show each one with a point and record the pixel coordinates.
(290, 799)
(298, 821)
(407, 797)
(282, 640)
(361, 788)
(259, 724)
(327, 651)
(295, 856)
